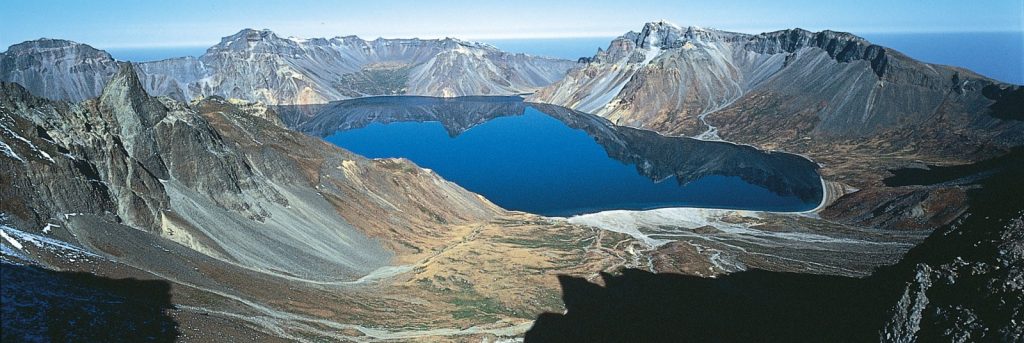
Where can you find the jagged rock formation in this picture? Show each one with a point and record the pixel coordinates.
(257, 65)
(644, 78)
(787, 89)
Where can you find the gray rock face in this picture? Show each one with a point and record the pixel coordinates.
(57, 69)
(643, 78)
(214, 177)
(840, 46)
(258, 65)
(778, 88)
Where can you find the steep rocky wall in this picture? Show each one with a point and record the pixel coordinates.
(218, 180)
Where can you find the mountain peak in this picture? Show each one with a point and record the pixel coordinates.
(125, 96)
(662, 25)
(48, 45)
(803, 34)
(248, 37)
(124, 78)
(664, 34)
(254, 33)
(841, 46)
(466, 43)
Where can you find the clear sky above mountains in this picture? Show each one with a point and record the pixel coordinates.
(108, 24)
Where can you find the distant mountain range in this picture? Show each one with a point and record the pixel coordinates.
(792, 89)
(258, 65)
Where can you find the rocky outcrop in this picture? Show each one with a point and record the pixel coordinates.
(791, 90)
(964, 283)
(258, 65)
(658, 78)
(840, 46)
(57, 69)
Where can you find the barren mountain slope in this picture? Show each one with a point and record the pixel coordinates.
(258, 65)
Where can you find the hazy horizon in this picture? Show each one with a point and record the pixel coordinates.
(981, 52)
(125, 24)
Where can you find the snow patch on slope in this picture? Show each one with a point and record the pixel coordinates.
(6, 149)
(18, 239)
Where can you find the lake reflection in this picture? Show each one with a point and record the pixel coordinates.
(554, 161)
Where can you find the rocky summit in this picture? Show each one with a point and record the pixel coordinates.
(794, 90)
(57, 69)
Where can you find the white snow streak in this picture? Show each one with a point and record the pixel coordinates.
(11, 240)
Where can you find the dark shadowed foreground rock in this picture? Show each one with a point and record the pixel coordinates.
(741, 307)
(962, 284)
(44, 305)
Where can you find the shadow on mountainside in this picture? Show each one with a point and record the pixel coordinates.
(957, 285)
(40, 305)
(750, 306)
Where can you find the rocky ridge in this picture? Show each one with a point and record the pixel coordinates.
(258, 65)
(816, 93)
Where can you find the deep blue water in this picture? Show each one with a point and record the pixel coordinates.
(535, 163)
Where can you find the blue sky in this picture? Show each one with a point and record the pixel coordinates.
(113, 24)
